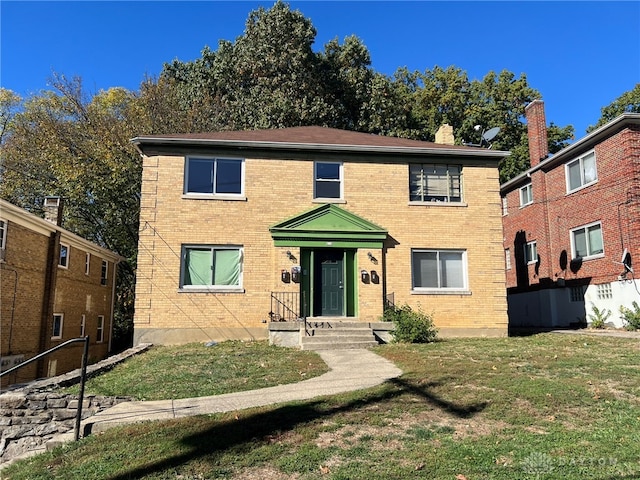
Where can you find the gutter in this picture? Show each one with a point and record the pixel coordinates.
(319, 147)
(593, 138)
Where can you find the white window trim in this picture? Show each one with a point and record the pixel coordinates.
(212, 288)
(507, 258)
(87, 263)
(104, 267)
(447, 202)
(530, 200)
(505, 207)
(340, 180)
(5, 227)
(83, 325)
(100, 329)
(526, 250)
(53, 336)
(573, 246)
(464, 290)
(579, 160)
(68, 247)
(213, 196)
(3, 240)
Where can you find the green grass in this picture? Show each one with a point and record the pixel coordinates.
(539, 407)
(195, 370)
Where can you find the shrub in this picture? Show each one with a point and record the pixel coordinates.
(631, 316)
(599, 317)
(411, 326)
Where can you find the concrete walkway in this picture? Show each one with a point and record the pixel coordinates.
(349, 370)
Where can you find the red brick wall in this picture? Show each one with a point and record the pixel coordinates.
(614, 200)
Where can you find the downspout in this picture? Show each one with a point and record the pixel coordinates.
(113, 301)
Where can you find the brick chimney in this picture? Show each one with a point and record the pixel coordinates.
(444, 135)
(53, 210)
(537, 132)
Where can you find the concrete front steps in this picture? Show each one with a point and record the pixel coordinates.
(328, 333)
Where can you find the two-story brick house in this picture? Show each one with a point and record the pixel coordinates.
(571, 226)
(241, 228)
(54, 286)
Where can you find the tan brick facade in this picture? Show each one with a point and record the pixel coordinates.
(34, 288)
(376, 189)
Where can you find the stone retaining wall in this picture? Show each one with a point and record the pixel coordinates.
(32, 414)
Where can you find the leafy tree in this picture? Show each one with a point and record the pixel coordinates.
(64, 143)
(628, 102)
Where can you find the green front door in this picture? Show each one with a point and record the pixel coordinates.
(330, 283)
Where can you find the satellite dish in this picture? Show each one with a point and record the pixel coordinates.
(490, 134)
(626, 261)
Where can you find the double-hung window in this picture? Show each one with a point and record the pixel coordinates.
(526, 195)
(103, 272)
(581, 172)
(3, 238)
(215, 177)
(439, 270)
(87, 263)
(586, 241)
(211, 267)
(435, 183)
(100, 329)
(531, 252)
(63, 259)
(328, 180)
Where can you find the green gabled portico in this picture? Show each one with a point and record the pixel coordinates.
(328, 238)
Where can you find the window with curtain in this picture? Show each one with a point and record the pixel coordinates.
(435, 183)
(581, 172)
(438, 269)
(205, 266)
(214, 176)
(587, 241)
(526, 195)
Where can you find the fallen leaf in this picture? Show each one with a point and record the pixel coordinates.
(460, 477)
(324, 470)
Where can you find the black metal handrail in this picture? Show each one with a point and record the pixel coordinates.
(83, 373)
(285, 306)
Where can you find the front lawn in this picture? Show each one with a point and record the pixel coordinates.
(541, 407)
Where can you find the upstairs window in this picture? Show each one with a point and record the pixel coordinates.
(435, 183)
(531, 252)
(103, 272)
(63, 260)
(505, 206)
(208, 266)
(581, 172)
(526, 195)
(586, 242)
(214, 176)
(3, 238)
(87, 263)
(328, 180)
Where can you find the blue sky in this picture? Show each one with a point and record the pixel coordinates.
(579, 55)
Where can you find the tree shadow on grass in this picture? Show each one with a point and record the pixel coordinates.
(243, 433)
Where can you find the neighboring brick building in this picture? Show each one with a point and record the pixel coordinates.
(54, 286)
(568, 221)
(240, 228)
